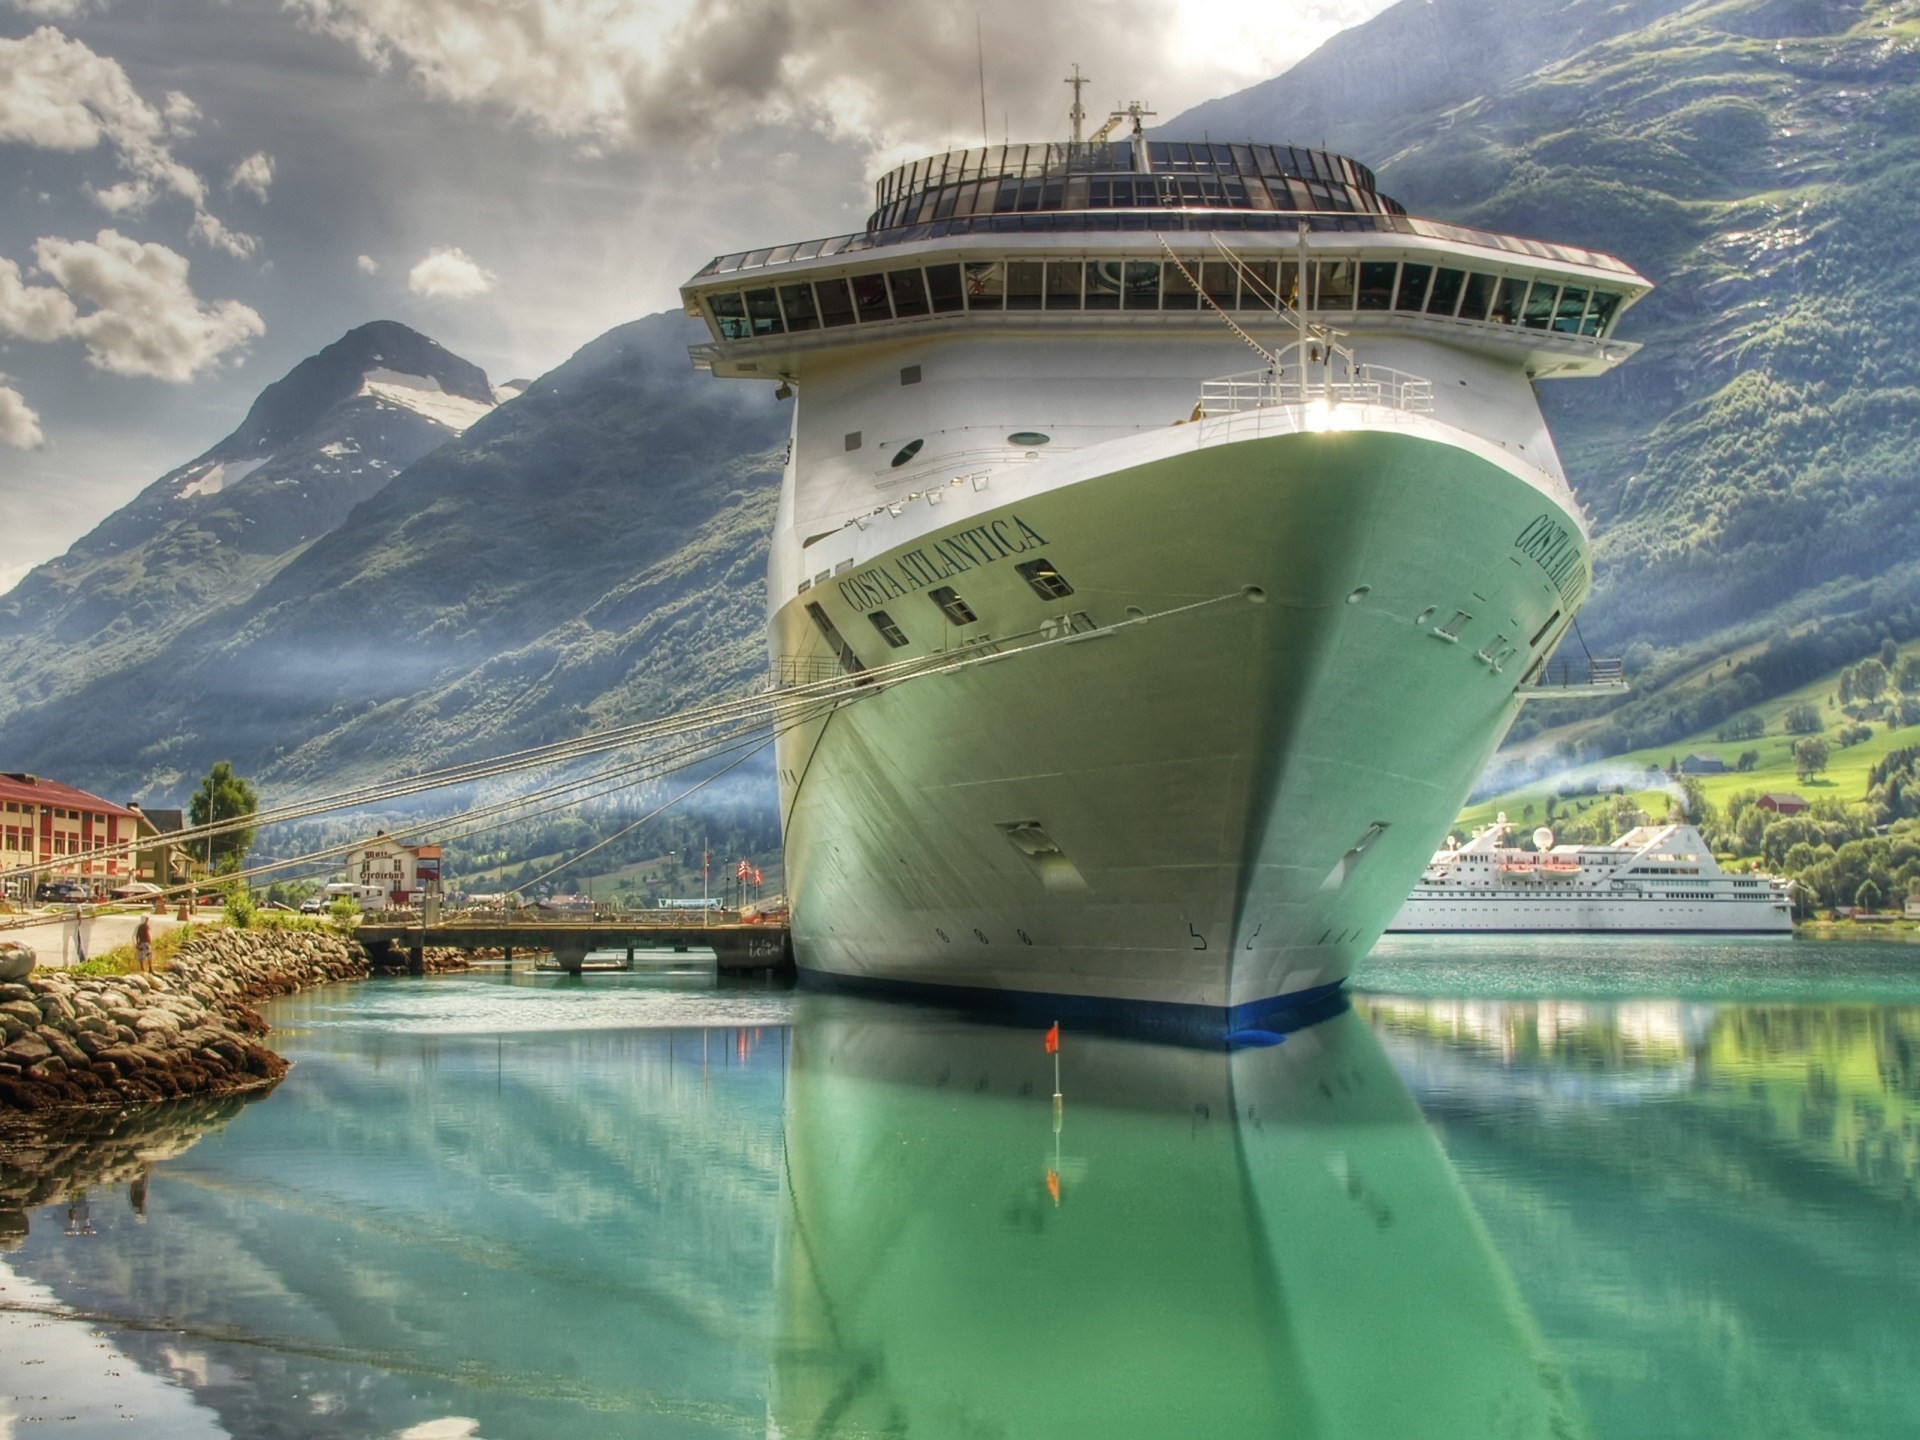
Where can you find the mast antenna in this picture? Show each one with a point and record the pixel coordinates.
(980, 48)
(1079, 112)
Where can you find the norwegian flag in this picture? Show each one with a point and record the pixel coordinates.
(756, 876)
(743, 870)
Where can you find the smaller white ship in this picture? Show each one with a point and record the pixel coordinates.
(1654, 878)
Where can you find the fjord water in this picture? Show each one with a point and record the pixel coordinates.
(1561, 1188)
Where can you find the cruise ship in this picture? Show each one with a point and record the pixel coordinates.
(1208, 492)
(1654, 878)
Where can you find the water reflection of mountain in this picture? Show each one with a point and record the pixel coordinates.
(1263, 1243)
(560, 1234)
(1833, 1085)
(1710, 1208)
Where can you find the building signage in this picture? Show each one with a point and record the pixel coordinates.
(940, 559)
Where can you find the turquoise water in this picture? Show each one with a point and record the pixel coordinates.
(1558, 1188)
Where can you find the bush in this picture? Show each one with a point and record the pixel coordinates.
(344, 913)
(1853, 735)
(240, 909)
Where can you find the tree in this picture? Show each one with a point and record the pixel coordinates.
(1889, 654)
(1907, 677)
(1846, 687)
(223, 795)
(1809, 756)
(1802, 719)
(1867, 897)
(1748, 759)
(1869, 679)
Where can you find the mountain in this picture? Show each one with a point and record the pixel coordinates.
(1759, 462)
(333, 432)
(589, 553)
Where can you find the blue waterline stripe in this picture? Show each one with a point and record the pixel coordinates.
(1257, 1022)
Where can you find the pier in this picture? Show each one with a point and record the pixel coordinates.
(738, 949)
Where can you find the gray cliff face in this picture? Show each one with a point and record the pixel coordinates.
(592, 551)
(316, 443)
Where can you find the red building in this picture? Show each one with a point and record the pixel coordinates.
(43, 822)
(1781, 804)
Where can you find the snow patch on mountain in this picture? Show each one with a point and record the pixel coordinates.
(423, 395)
(212, 479)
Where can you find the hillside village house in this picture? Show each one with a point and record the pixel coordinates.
(1698, 764)
(404, 873)
(43, 822)
(1781, 803)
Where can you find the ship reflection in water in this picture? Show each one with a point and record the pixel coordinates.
(465, 1214)
(1268, 1242)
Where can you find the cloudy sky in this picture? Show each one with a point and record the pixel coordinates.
(196, 194)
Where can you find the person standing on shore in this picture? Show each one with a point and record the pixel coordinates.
(143, 945)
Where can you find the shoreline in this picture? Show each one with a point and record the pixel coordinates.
(70, 1045)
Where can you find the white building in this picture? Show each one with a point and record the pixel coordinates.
(402, 872)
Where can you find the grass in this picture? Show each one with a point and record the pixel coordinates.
(120, 960)
(1845, 776)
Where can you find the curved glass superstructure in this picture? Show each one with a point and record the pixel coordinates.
(1124, 175)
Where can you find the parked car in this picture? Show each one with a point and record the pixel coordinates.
(315, 905)
(63, 892)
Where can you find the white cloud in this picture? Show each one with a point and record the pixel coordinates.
(56, 9)
(448, 273)
(56, 94)
(130, 303)
(609, 72)
(254, 175)
(19, 427)
(366, 265)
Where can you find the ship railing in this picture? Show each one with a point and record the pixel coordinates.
(1361, 385)
(791, 671)
(1571, 679)
(704, 354)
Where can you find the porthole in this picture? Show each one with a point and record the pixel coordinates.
(906, 453)
(1028, 437)
(1360, 593)
(1254, 595)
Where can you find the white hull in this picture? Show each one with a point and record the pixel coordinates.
(1205, 776)
(1446, 913)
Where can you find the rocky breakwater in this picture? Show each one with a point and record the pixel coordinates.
(71, 1042)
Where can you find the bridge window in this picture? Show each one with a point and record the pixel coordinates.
(945, 288)
(1257, 283)
(797, 301)
(1573, 309)
(763, 312)
(1047, 582)
(1376, 284)
(1335, 285)
(1177, 292)
(909, 292)
(836, 303)
(729, 314)
(1540, 302)
(1444, 298)
(1140, 284)
(1605, 302)
(1103, 284)
(1063, 284)
(906, 453)
(1024, 278)
(951, 605)
(1506, 306)
(1220, 283)
(1413, 286)
(890, 632)
(870, 297)
(987, 286)
(1477, 299)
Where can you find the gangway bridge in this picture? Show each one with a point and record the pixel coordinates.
(738, 948)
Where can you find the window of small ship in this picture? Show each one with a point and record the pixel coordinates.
(889, 631)
(1047, 582)
(1141, 285)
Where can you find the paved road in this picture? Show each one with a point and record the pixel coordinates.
(48, 937)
